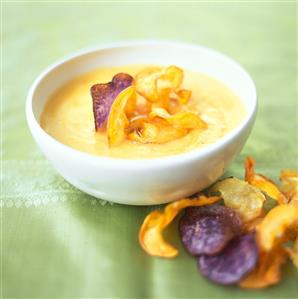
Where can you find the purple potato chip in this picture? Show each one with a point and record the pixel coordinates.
(207, 229)
(235, 261)
(104, 94)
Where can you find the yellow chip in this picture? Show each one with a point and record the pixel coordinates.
(173, 106)
(172, 77)
(156, 84)
(146, 83)
(274, 228)
(184, 96)
(131, 106)
(183, 120)
(145, 132)
(242, 197)
(149, 131)
(117, 121)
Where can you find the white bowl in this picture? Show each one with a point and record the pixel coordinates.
(148, 181)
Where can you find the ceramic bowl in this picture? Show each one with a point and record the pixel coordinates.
(147, 181)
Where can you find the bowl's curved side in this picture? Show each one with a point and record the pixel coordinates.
(149, 181)
(142, 186)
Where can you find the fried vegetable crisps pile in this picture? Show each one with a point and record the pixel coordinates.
(229, 233)
(150, 108)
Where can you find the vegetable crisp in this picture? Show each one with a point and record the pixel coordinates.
(164, 119)
(237, 242)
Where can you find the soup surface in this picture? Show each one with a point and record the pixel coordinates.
(68, 116)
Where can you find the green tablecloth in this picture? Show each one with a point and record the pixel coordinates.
(60, 243)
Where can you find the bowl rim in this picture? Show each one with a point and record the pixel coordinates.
(141, 162)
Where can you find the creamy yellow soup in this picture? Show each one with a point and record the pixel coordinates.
(68, 116)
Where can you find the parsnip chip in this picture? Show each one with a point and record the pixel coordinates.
(262, 182)
(159, 85)
(187, 120)
(144, 132)
(159, 112)
(117, 121)
(289, 185)
(274, 228)
(150, 234)
(174, 106)
(184, 96)
(143, 107)
(149, 131)
(172, 78)
(104, 94)
(242, 197)
(183, 120)
(267, 271)
(131, 107)
(169, 133)
(146, 83)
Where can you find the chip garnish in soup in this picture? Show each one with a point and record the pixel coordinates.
(141, 111)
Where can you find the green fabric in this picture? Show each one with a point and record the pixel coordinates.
(60, 243)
